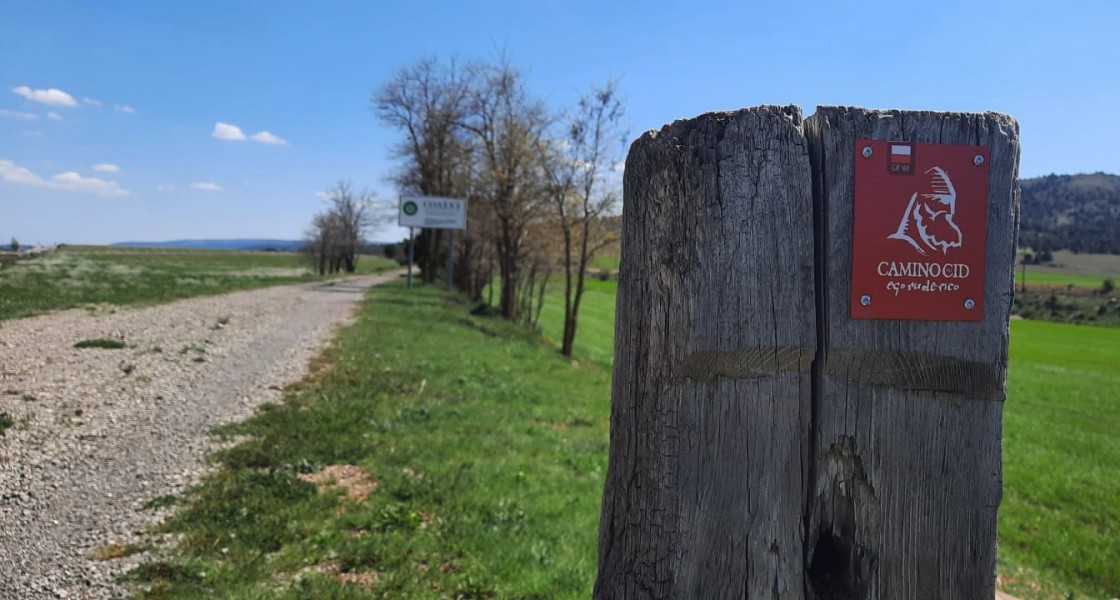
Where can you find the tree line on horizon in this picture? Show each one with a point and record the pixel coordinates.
(1080, 213)
(541, 189)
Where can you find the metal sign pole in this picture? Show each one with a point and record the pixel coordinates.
(450, 257)
(433, 213)
(411, 244)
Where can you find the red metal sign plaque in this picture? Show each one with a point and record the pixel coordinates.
(920, 231)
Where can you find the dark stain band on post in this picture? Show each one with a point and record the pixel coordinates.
(746, 363)
(918, 372)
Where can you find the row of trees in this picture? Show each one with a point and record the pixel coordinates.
(539, 184)
(337, 234)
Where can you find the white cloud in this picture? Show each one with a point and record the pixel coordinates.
(165, 187)
(106, 168)
(32, 134)
(76, 183)
(225, 131)
(52, 96)
(266, 137)
(12, 114)
(322, 195)
(206, 186)
(92, 102)
(229, 131)
(54, 116)
(124, 108)
(69, 181)
(11, 172)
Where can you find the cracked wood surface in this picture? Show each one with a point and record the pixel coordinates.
(711, 379)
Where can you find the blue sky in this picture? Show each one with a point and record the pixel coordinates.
(135, 156)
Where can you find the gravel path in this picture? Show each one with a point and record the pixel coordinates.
(99, 433)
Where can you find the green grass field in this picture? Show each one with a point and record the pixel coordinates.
(77, 276)
(1069, 269)
(1060, 517)
(606, 262)
(489, 450)
(595, 325)
(1042, 276)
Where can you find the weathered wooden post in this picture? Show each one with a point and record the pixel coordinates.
(811, 349)
(715, 339)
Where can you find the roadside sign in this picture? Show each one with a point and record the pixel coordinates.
(433, 212)
(920, 231)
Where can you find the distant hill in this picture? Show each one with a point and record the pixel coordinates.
(1075, 212)
(276, 245)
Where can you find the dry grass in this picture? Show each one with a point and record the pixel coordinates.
(114, 551)
(354, 479)
(363, 579)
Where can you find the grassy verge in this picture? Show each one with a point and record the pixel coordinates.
(86, 275)
(1060, 519)
(482, 451)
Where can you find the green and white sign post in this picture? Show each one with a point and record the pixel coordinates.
(432, 212)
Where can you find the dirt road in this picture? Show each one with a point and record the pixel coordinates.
(97, 434)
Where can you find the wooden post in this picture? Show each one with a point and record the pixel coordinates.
(764, 444)
(714, 342)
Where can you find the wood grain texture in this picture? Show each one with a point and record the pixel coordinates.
(715, 337)
(906, 480)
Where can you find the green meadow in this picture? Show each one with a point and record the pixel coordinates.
(488, 450)
(595, 325)
(1060, 517)
(1069, 269)
(86, 276)
(1041, 276)
(605, 262)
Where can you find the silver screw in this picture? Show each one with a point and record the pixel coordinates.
(867, 151)
(978, 159)
(865, 300)
(969, 304)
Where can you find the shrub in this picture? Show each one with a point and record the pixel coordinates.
(101, 343)
(6, 421)
(483, 309)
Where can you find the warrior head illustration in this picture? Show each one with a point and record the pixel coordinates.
(928, 221)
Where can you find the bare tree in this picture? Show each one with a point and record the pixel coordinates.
(508, 127)
(336, 236)
(579, 193)
(429, 102)
(317, 242)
